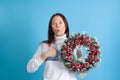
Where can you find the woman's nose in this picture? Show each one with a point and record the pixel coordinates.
(57, 25)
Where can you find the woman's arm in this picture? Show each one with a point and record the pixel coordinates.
(40, 56)
(82, 74)
(36, 60)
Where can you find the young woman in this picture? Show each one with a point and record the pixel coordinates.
(49, 51)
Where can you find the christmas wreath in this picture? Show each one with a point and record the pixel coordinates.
(70, 49)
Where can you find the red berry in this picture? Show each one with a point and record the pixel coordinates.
(91, 57)
(97, 60)
(86, 64)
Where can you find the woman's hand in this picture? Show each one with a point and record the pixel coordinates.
(50, 53)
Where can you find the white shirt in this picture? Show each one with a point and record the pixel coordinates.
(54, 69)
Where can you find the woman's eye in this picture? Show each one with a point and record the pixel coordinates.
(53, 23)
(61, 22)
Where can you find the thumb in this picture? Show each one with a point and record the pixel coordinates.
(51, 45)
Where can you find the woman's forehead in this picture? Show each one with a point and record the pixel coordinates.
(57, 18)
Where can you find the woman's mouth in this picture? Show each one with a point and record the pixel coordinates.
(58, 30)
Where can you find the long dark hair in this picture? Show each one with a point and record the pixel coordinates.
(50, 31)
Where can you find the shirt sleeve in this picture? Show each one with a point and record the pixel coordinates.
(82, 74)
(36, 60)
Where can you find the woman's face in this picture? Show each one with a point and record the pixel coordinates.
(58, 26)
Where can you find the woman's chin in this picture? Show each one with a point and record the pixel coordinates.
(59, 34)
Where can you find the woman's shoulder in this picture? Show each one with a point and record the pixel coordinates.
(43, 43)
(43, 46)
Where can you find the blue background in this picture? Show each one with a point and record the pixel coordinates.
(24, 24)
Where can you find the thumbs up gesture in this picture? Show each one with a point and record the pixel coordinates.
(51, 51)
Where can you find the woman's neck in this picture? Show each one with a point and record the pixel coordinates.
(60, 37)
